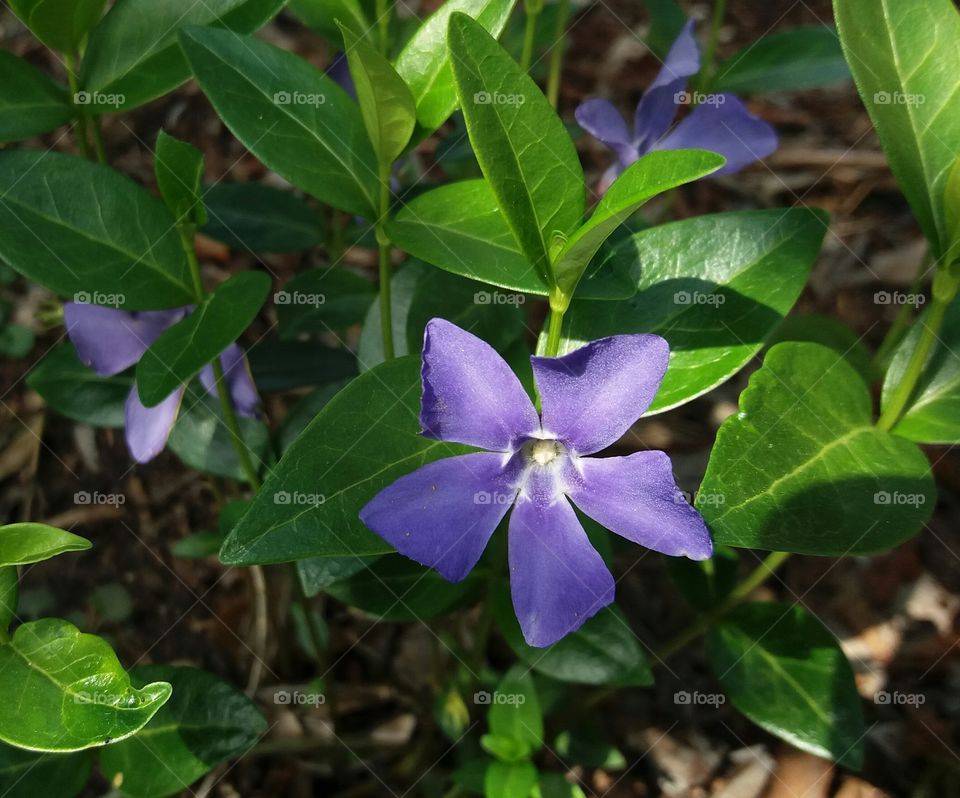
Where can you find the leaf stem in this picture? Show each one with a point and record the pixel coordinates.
(98, 146)
(553, 332)
(881, 360)
(383, 27)
(557, 52)
(83, 144)
(529, 35)
(709, 59)
(383, 243)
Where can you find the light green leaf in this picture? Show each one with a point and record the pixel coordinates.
(25, 543)
(802, 468)
(323, 16)
(289, 114)
(515, 709)
(509, 779)
(179, 170)
(523, 148)
(59, 24)
(905, 58)
(27, 774)
(86, 232)
(183, 349)
(786, 672)
(71, 691)
(30, 103)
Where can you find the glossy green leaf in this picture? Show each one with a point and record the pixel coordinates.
(258, 218)
(205, 722)
(782, 668)
(459, 228)
(30, 103)
(523, 148)
(76, 391)
(179, 170)
(72, 691)
(304, 411)
(287, 365)
(59, 24)
(802, 468)
(905, 58)
(933, 413)
(714, 286)
(25, 543)
(321, 300)
(515, 709)
(602, 651)
(424, 62)
(9, 593)
(705, 583)
(133, 55)
(827, 331)
(308, 505)
(183, 349)
(324, 15)
(318, 573)
(799, 58)
(86, 232)
(509, 779)
(289, 114)
(652, 174)
(386, 104)
(27, 774)
(394, 588)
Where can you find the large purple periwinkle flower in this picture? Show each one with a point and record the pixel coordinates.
(443, 514)
(720, 123)
(110, 341)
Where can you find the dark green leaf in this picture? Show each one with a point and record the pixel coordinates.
(705, 583)
(827, 331)
(320, 572)
(666, 21)
(786, 672)
(59, 24)
(9, 589)
(27, 774)
(15, 341)
(85, 231)
(179, 170)
(30, 103)
(22, 544)
(289, 114)
(321, 300)
(323, 16)
(802, 468)
(304, 411)
(286, 365)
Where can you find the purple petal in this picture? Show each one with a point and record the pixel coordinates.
(239, 381)
(724, 126)
(147, 428)
(470, 395)
(109, 340)
(592, 396)
(604, 122)
(339, 72)
(658, 106)
(443, 514)
(637, 497)
(557, 578)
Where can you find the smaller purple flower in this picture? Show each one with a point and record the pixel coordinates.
(443, 514)
(110, 341)
(720, 123)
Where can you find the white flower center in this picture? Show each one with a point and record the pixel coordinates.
(544, 452)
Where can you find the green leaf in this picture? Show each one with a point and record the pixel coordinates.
(72, 692)
(801, 467)
(386, 104)
(287, 365)
(394, 588)
(324, 15)
(16, 341)
(205, 722)
(830, 332)
(424, 62)
(183, 349)
(289, 114)
(932, 414)
(905, 58)
(506, 749)
(373, 420)
(27, 774)
(303, 412)
(319, 573)
(321, 300)
(515, 709)
(30, 103)
(25, 543)
(133, 55)
(59, 24)
(602, 651)
(714, 286)
(705, 583)
(800, 58)
(786, 672)
(650, 175)
(179, 169)
(522, 146)
(85, 231)
(459, 228)
(198, 545)
(666, 21)
(77, 392)
(259, 218)
(9, 592)
(509, 779)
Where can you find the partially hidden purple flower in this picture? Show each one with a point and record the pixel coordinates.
(110, 341)
(720, 122)
(443, 514)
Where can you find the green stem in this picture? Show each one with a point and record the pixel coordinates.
(557, 52)
(709, 59)
(881, 360)
(529, 38)
(98, 146)
(83, 144)
(383, 27)
(383, 242)
(553, 332)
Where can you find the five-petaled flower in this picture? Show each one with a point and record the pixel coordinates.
(110, 341)
(443, 514)
(720, 122)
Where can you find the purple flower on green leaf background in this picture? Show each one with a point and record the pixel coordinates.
(110, 341)
(443, 514)
(720, 122)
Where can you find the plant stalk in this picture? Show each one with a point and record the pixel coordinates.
(383, 27)
(557, 52)
(881, 360)
(529, 37)
(709, 59)
(383, 243)
(83, 143)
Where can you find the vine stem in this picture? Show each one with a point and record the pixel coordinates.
(553, 332)
(709, 59)
(557, 52)
(902, 321)
(383, 27)
(383, 243)
(529, 38)
(83, 143)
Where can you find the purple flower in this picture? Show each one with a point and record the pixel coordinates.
(720, 122)
(443, 514)
(110, 341)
